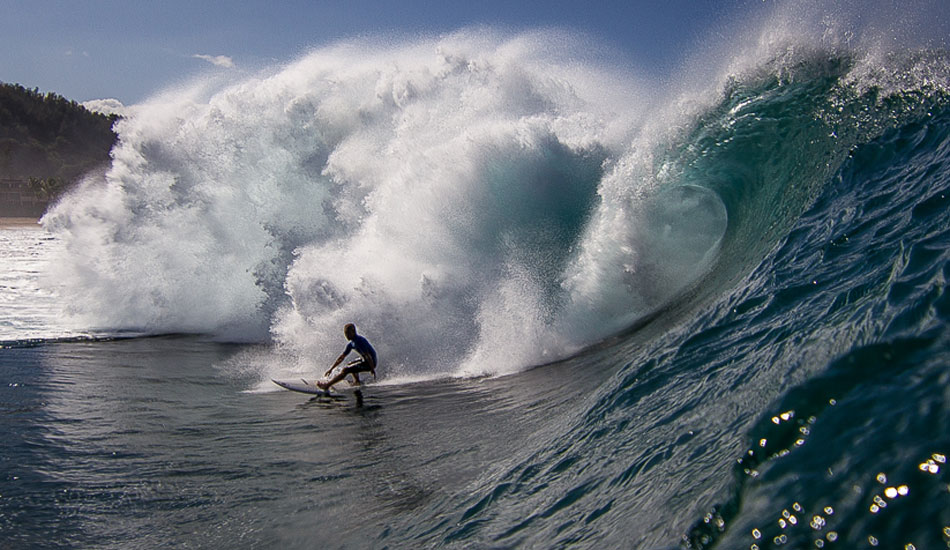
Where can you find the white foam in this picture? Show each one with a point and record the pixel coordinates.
(475, 203)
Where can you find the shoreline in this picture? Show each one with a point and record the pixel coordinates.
(11, 223)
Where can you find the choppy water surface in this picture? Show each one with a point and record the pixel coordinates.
(29, 308)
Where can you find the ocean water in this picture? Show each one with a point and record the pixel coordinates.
(610, 312)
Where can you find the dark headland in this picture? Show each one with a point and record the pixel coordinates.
(47, 144)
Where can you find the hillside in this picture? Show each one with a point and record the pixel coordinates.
(47, 143)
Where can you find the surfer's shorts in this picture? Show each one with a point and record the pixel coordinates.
(353, 368)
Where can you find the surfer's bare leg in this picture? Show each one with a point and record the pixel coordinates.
(334, 380)
(348, 371)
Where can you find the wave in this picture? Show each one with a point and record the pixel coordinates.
(477, 203)
(793, 408)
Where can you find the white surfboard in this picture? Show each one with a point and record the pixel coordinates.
(310, 386)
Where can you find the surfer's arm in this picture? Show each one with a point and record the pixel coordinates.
(337, 362)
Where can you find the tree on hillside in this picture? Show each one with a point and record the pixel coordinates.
(49, 140)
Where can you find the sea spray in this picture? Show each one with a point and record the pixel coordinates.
(477, 203)
(449, 196)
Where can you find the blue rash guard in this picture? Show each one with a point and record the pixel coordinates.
(362, 347)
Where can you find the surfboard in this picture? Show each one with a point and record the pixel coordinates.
(310, 386)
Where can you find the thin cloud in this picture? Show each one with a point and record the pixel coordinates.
(107, 107)
(218, 60)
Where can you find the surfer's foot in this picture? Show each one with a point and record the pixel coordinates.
(323, 385)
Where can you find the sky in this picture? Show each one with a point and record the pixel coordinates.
(130, 49)
(133, 49)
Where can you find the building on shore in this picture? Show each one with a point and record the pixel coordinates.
(17, 200)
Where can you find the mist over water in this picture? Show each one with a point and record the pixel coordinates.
(457, 198)
(477, 203)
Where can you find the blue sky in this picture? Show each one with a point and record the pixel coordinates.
(129, 50)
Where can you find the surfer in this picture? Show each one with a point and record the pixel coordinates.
(366, 363)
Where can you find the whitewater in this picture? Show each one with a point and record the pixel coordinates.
(473, 200)
(610, 311)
